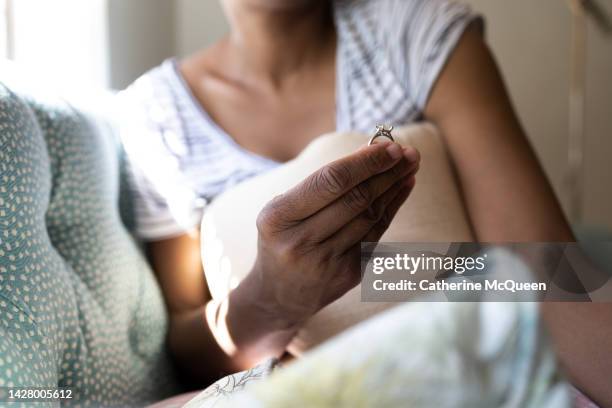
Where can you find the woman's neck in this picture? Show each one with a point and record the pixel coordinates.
(275, 43)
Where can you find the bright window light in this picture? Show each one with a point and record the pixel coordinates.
(63, 41)
(4, 30)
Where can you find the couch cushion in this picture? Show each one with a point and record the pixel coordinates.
(79, 305)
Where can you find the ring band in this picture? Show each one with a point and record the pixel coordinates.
(382, 131)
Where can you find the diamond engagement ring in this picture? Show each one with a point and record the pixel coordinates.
(382, 131)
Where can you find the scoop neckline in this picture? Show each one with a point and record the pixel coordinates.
(227, 138)
(203, 114)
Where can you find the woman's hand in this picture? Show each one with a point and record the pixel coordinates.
(310, 239)
(309, 255)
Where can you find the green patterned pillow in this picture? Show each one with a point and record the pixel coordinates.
(79, 305)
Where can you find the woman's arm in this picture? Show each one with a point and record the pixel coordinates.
(507, 195)
(509, 199)
(195, 336)
(178, 267)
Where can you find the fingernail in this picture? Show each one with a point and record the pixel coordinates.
(395, 151)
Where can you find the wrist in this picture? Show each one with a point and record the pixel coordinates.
(250, 329)
(257, 299)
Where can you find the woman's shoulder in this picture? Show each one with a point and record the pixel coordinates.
(398, 17)
(154, 100)
(157, 84)
(399, 7)
(410, 40)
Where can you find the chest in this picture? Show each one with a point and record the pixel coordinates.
(279, 129)
(276, 126)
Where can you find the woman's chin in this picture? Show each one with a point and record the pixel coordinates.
(281, 5)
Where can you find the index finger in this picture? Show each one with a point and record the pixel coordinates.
(333, 180)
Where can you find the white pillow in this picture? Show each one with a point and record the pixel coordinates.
(433, 213)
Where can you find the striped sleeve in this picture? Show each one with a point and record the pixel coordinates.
(164, 200)
(423, 35)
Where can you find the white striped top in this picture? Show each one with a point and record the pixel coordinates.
(389, 54)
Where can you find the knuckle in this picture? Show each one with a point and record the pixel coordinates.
(326, 257)
(289, 252)
(334, 178)
(263, 222)
(267, 219)
(286, 254)
(301, 240)
(358, 199)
